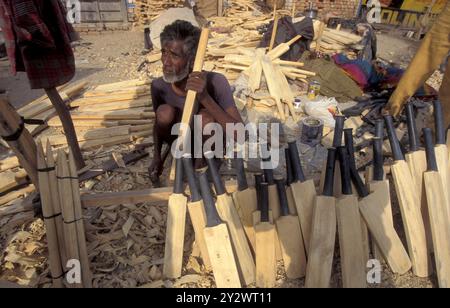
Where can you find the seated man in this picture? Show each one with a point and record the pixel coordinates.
(215, 101)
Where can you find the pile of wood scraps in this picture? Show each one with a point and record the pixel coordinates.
(257, 64)
(148, 10)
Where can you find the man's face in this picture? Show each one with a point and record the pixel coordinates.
(175, 62)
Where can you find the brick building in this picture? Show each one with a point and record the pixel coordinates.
(339, 8)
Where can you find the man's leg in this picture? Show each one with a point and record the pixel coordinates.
(207, 118)
(165, 118)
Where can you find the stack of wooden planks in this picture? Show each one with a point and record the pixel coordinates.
(107, 115)
(332, 41)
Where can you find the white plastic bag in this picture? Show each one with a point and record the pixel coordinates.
(322, 108)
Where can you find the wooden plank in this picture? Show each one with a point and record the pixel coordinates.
(16, 194)
(152, 195)
(91, 134)
(10, 179)
(271, 79)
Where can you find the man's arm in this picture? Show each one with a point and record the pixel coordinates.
(430, 55)
(229, 114)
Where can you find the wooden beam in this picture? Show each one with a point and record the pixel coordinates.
(24, 147)
(152, 196)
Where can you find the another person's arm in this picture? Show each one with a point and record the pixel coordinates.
(430, 55)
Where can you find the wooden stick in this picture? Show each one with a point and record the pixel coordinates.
(274, 31)
(50, 226)
(56, 203)
(82, 247)
(68, 213)
(288, 63)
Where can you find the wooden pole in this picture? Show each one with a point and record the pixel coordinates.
(274, 31)
(69, 129)
(68, 213)
(49, 220)
(82, 247)
(56, 202)
(24, 147)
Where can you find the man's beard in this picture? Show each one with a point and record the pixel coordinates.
(173, 77)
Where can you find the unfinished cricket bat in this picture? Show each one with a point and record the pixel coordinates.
(218, 241)
(290, 237)
(440, 226)
(265, 245)
(274, 207)
(358, 185)
(337, 142)
(190, 102)
(377, 212)
(274, 203)
(176, 223)
(417, 164)
(256, 215)
(196, 209)
(373, 184)
(349, 230)
(230, 216)
(442, 152)
(409, 206)
(323, 232)
(304, 192)
(246, 201)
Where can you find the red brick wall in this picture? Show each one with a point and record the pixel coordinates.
(339, 8)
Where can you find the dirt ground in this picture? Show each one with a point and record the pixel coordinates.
(116, 56)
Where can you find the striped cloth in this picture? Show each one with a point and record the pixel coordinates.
(38, 37)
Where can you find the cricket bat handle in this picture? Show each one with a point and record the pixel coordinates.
(264, 202)
(429, 150)
(378, 171)
(212, 216)
(379, 129)
(190, 174)
(345, 171)
(289, 176)
(212, 167)
(178, 186)
(240, 173)
(329, 173)
(283, 197)
(412, 129)
(338, 129)
(439, 122)
(395, 144)
(296, 164)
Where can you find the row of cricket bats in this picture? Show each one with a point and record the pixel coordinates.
(241, 237)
